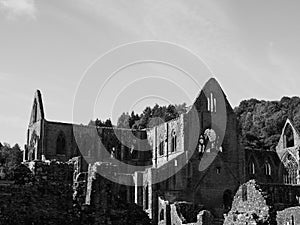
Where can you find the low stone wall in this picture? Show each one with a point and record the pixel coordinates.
(289, 216)
(187, 214)
(183, 213)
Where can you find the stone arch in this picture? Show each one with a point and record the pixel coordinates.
(289, 169)
(252, 167)
(162, 215)
(61, 143)
(173, 141)
(267, 168)
(288, 136)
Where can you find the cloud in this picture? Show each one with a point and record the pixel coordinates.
(17, 8)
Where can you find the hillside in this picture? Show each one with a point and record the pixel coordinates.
(261, 122)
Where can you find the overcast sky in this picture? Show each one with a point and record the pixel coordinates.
(251, 47)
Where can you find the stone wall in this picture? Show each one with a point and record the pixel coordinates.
(162, 135)
(249, 206)
(40, 194)
(179, 213)
(281, 143)
(190, 214)
(110, 201)
(259, 158)
(289, 216)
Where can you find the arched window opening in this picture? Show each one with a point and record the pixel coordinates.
(285, 176)
(161, 148)
(208, 103)
(34, 119)
(211, 103)
(290, 170)
(292, 220)
(288, 137)
(61, 144)
(218, 169)
(201, 145)
(173, 142)
(251, 168)
(147, 197)
(215, 104)
(268, 170)
(162, 215)
(244, 193)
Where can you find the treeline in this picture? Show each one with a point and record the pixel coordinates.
(10, 157)
(150, 117)
(261, 122)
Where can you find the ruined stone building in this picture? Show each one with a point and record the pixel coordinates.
(186, 170)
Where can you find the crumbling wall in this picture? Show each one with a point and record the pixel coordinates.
(189, 214)
(40, 194)
(249, 206)
(110, 202)
(179, 213)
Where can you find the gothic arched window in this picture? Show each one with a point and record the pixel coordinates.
(34, 119)
(288, 136)
(211, 103)
(161, 148)
(61, 144)
(290, 170)
(147, 197)
(268, 170)
(173, 142)
(251, 168)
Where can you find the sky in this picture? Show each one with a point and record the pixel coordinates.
(250, 47)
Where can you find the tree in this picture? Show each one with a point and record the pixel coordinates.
(261, 122)
(10, 157)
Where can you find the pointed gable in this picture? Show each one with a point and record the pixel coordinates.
(289, 137)
(37, 112)
(212, 107)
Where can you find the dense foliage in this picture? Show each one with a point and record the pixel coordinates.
(261, 122)
(100, 123)
(151, 117)
(10, 157)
